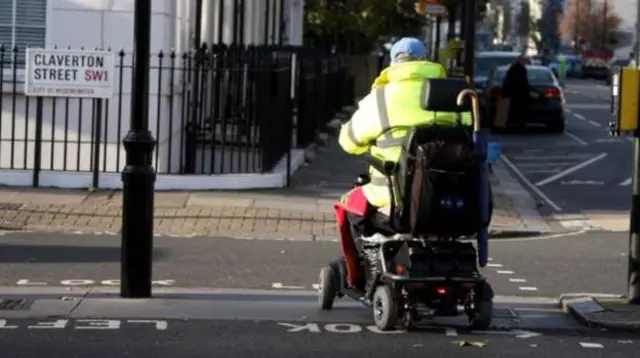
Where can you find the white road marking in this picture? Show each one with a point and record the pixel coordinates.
(505, 272)
(576, 138)
(626, 182)
(494, 265)
(573, 169)
(594, 123)
(591, 345)
(579, 116)
(280, 286)
(451, 332)
(315, 286)
(529, 184)
(517, 280)
(544, 164)
(528, 288)
(542, 171)
(550, 157)
(581, 182)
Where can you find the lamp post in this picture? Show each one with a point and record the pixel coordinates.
(469, 38)
(138, 176)
(634, 232)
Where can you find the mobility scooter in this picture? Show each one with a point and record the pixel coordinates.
(439, 194)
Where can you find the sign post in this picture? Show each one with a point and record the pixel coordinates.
(69, 73)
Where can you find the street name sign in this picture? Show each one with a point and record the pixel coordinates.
(69, 73)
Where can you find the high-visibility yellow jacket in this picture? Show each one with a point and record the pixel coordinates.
(379, 124)
(562, 66)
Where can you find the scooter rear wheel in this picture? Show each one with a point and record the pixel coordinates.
(385, 309)
(326, 290)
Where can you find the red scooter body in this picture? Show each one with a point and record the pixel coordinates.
(353, 202)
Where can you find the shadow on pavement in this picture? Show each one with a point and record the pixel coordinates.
(13, 253)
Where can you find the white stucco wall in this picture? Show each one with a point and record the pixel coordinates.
(109, 24)
(102, 24)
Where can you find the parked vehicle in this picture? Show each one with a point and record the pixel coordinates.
(547, 97)
(595, 63)
(574, 65)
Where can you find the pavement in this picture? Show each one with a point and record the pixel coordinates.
(304, 211)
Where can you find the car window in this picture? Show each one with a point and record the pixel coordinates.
(535, 76)
(484, 65)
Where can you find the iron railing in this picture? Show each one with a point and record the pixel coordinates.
(220, 109)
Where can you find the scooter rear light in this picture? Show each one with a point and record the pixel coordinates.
(401, 270)
(441, 290)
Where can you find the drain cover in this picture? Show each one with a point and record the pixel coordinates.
(15, 304)
(10, 206)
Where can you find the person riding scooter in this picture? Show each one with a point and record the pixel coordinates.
(379, 127)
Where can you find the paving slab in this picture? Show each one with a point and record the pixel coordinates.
(606, 313)
(303, 211)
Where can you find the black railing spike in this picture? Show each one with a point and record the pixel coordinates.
(121, 53)
(160, 54)
(2, 46)
(109, 48)
(69, 47)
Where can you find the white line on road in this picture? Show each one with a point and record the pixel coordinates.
(594, 123)
(529, 184)
(280, 286)
(591, 345)
(527, 288)
(579, 116)
(517, 280)
(576, 138)
(451, 332)
(494, 265)
(566, 172)
(549, 157)
(505, 272)
(626, 182)
(542, 171)
(544, 164)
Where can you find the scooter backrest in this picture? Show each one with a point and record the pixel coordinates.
(441, 94)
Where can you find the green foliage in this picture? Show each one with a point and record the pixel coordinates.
(360, 25)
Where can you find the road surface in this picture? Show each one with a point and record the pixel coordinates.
(245, 339)
(583, 176)
(547, 266)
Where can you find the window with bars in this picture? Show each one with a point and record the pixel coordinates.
(22, 24)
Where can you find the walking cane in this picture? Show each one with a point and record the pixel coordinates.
(480, 139)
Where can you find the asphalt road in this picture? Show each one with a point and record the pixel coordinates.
(585, 171)
(547, 266)
(242, 339)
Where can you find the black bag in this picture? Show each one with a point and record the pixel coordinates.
(444, 190)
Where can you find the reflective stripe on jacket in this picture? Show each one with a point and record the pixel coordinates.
(379, 126)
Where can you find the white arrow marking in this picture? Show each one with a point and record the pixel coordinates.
(626, 182)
